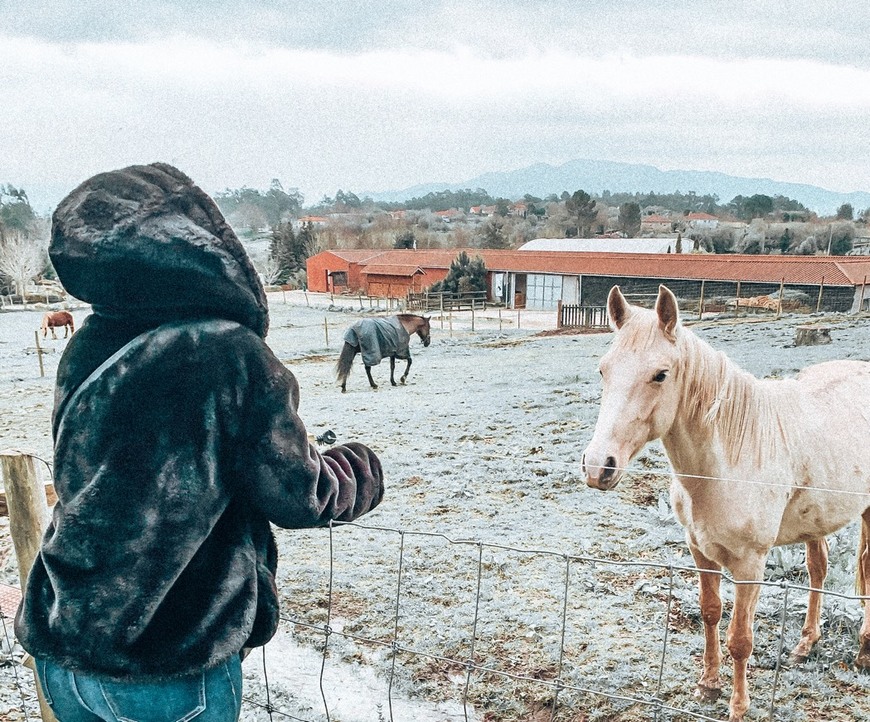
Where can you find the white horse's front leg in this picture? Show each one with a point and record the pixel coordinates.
(739, 637)
(710, 684)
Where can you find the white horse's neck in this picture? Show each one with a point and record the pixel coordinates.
(726, 416)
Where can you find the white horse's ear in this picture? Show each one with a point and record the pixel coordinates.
(617, 308)
(668, 313)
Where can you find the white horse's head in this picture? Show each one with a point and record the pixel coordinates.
(640, 393)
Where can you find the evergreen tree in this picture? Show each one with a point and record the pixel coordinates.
(581, 207)
(290, 250)
(492, 235)
(629, 219)
(466, 275)
(282, 250)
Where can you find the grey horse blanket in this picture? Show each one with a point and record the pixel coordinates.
(377, 338)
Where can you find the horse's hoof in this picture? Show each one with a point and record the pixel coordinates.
(707, 693)
(402, 380)
(796, 658)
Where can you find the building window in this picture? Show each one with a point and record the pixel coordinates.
(339, 278)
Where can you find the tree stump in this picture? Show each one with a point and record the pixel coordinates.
(812, 335)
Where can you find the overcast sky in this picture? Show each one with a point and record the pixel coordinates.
(370, 96)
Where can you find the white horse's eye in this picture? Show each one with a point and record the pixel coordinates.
(660, 376)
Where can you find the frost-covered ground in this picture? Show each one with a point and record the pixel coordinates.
(484, 501)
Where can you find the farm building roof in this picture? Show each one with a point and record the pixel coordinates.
(808, 270)
(392, 269)
(607, 245)
(356, 255)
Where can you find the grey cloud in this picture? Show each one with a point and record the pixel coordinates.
(745, 28)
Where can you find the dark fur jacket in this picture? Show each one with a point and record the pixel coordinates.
(177, 442)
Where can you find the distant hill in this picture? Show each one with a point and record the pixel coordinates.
(595, 176)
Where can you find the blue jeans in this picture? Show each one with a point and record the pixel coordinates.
(214, 695)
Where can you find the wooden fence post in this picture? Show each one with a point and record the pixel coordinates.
(28, 509)
(701, 302)
(821, 289)
(861, 298)
(39, 354)
(28, 519)
(779, 303)
(737, 302)
(326, 331)
(559, 314)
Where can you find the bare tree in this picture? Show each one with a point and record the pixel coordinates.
(270, 270)
(22, 258)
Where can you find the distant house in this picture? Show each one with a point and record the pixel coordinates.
(701, 221)
(656, 224)
(452, 214)
(520, 209)
(315, 221)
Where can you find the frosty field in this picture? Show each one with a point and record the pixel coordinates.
(507, 559)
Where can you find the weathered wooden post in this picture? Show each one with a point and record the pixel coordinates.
(326, 331)
(39, 354)
(28, 519)
(472, 315)
(737, 302)
(499, 319)
(559, 314)
(701, 302)
(861, 297)
(28, 509)
(821, 289)
(779, 302)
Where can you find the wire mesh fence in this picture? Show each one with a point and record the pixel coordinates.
(505, 632)
(550, 671)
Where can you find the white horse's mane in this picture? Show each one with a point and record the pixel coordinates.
(720, 395)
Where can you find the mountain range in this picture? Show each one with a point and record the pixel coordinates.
(595, 176)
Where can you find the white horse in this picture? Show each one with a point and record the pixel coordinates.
(800, 447)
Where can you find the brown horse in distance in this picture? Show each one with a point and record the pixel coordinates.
(56, 319)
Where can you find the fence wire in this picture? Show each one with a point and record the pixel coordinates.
(656, 704)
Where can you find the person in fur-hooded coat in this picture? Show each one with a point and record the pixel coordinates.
(177, 442)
